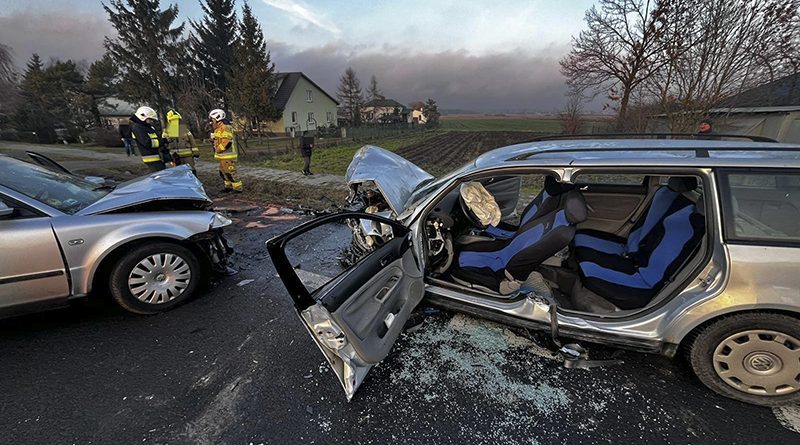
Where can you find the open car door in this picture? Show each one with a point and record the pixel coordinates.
(354, 305)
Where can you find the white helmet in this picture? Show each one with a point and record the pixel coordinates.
(144, 113)
(216, 114)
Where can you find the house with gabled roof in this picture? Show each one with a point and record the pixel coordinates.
(382, 110)
(302, 104)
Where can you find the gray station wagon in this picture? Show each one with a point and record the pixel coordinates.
(667, 245)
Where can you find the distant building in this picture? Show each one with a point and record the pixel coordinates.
(302, 104)
(771, 110)
(385, 111)
(115, 111)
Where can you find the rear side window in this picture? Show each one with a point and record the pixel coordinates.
(761, 206)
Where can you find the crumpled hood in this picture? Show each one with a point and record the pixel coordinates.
(395, 177)
(172, 183)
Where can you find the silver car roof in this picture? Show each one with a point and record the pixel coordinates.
(645, 152)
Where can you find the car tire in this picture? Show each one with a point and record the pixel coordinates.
(746, 355)
(155, 277)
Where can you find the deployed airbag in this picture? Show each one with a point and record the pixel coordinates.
(481, 203)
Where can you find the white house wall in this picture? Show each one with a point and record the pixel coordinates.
(320, 105)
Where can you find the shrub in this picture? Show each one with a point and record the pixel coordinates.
(9, 134)
(108, 137)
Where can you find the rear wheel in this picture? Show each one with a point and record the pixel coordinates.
(154, 277)
(754, 358)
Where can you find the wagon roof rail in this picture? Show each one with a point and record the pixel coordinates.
(695, 136)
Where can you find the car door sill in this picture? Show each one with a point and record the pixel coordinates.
(497, 314)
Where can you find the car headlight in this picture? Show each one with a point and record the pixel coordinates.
(219, 220)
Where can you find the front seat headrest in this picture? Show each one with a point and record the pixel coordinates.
(682, 184)
(555, 188)
(575, 207)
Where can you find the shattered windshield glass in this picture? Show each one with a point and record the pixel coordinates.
(61, 191)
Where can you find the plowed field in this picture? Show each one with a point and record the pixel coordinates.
(447, 151)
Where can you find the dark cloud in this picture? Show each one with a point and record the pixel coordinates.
(512, 80)
(61, 34)
(506, 81)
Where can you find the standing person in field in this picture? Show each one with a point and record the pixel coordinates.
(224, 143)
(306, 149)
(127, 138)
(145, 131)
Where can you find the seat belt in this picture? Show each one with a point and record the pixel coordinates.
(575, 355)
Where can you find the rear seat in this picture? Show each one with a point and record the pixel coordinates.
(630, 277)
(588, 240)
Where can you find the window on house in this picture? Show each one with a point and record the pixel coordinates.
(311, 117)
(329, 117)
(294, 117)
(308, 96)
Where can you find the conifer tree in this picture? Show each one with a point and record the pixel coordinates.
(253, 79)
(149, 50)
(350, 96)
(374, 92)
(213, 46)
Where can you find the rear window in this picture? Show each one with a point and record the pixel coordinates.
(762, 206)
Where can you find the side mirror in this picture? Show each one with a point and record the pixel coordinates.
(5, 210)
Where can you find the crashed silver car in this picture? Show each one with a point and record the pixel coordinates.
(150, 242)
(669, 245)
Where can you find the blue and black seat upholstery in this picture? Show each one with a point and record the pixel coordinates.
(663, 199)
(487, 263)
(630, 277)
(545, 202)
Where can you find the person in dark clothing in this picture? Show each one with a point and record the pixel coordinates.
(306, 149)
(127, 138)
(147, 134)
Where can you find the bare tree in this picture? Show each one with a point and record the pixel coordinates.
(716, 48)
(572, 115)
(619, 51)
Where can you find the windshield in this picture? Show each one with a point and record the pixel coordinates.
(61, 191)
(427, 187)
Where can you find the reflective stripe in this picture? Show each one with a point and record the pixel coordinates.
(195, 150)
(226, 156)
(153, 140)
(184, 152)
(151, 158)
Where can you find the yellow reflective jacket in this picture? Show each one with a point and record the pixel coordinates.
(224, 142)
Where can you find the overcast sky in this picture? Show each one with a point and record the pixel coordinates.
(466, 54)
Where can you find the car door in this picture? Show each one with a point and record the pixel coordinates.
(32, 268)
(613, 201)
(355, 313)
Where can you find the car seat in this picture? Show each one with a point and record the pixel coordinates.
(545, 202)
(487, 263)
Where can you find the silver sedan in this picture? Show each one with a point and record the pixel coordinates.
(150, 242)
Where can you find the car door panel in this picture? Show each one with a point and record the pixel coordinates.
(356, 317)
(31, 265)
(610, 206)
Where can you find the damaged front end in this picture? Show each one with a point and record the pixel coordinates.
(216, 250)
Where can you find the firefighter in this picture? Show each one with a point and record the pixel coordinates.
(144, 129)
(222, 139)
(183, 149)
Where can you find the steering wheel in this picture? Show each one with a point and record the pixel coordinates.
(471, 216)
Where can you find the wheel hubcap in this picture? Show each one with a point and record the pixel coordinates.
(759, 362)
(159, 278)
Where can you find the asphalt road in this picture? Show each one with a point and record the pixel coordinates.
(234, 366)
